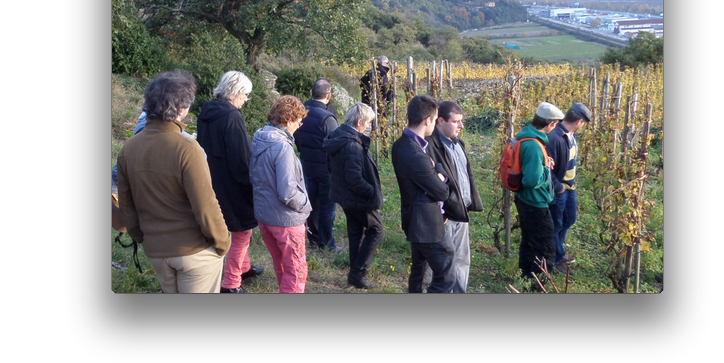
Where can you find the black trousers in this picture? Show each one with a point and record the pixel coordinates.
(365, 231)
(439, 256)
(538, 239)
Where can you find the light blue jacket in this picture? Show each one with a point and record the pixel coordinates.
(280, 196)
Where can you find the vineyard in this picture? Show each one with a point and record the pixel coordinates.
(616, 163)
(618, 237)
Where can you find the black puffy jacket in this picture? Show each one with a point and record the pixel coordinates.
(355, 179)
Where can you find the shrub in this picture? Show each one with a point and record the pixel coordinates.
(297, 81)
(484, 122)
(134, 51)
(208, 58)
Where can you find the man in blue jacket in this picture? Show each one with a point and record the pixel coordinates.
(309, 139)
(563, 148)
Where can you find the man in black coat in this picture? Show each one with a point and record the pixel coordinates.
(448, 150)
(318, 123)
(423, 187)
(356, 187)
(384, 82)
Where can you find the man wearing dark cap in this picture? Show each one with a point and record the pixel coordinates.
(537, 243)
(563, 148)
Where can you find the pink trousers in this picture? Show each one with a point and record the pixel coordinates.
(287, 246)
(237, 259)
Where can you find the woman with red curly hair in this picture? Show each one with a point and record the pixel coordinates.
(281, 205)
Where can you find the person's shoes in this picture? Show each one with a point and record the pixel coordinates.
(254, 271)
(238, 290)
(359, 281)
(569, 260)
(562, 268)
(336, 249)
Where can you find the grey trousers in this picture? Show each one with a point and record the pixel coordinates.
(459, 234)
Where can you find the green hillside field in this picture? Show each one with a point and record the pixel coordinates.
(553, 48)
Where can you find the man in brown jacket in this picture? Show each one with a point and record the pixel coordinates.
(165, 193)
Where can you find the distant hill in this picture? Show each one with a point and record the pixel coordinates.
(457, 13)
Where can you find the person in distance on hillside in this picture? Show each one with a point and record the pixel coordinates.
(563, 148)
(165, 193)
(281, 205)
(223, 135)
(538, 242)
(383, 82)
(448, 150)
(309, 138)
(423, 186)
(356, 187)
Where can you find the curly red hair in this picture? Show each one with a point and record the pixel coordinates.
(287, 109)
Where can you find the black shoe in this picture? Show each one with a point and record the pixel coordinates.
(254, 271)
(359, 281)
(238, 290)
(563, 269)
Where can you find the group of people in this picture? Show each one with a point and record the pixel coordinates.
(193, 204)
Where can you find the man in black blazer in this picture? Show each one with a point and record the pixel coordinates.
(423, 186)
(448, 150)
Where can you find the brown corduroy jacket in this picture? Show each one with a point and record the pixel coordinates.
(165, 193)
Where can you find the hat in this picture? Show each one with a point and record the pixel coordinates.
(549, 112)
(383, 59)
(579, 111)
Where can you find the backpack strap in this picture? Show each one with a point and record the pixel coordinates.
(546, 160)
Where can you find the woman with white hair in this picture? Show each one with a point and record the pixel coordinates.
(356, 187)
(222, 133)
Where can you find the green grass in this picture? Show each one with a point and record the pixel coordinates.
(534, 42)
(556, 49)
(521, 28)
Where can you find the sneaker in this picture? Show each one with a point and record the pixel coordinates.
(336, 249)
(568, 260)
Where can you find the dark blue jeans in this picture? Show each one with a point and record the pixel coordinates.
(564, 214)
(439, 256)
(321, 219)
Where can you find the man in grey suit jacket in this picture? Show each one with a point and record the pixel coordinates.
(423, 186)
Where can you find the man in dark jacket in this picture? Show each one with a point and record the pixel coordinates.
(309, 138)
(423, 186)
(222, 133)
(448, 150)
(563, 148)
(356, 187)
(383, 84)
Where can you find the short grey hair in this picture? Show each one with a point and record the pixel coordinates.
(232, 84)
(321, 89)
(382, 59)
(357, 112)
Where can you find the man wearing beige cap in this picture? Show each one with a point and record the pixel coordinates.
(538, 242)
